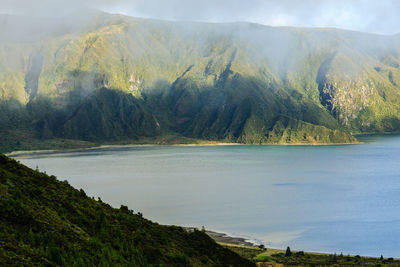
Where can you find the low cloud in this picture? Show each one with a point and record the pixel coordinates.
(361, 15)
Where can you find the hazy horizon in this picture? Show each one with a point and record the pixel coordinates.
(357, 15)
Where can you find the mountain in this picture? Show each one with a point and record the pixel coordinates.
(46, 222)
(108, 78)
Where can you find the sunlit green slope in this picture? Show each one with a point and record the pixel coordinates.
(236, 82)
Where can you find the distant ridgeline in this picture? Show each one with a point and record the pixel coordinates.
(112, 78)
(45, 222)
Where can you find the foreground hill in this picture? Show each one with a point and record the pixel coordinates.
(47, 222)
(112, 77)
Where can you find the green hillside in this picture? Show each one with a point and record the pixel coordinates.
(45, 222)
(114, 78)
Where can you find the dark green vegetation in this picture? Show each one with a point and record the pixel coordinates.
(273, 257)
(112, 78)
(47, 222)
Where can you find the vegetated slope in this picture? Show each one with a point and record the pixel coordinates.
(47, 222)
(235, 82)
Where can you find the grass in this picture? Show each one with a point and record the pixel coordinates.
(277, 257)
(24, 141)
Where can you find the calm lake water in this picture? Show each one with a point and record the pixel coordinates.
(313, 198)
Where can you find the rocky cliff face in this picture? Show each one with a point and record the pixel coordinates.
(230, 82)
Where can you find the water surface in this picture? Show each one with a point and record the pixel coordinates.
(313, 198)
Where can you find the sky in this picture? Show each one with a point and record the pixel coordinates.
(381, 16)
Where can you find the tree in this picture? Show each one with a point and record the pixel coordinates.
(54, 253)
(288, 252)
(334, 260)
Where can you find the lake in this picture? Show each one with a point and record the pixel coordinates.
(314, 198)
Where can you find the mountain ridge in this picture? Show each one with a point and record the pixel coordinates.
(208, 80)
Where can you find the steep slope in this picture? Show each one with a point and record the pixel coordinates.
(228, 82)
(110, 115)
(47, 222)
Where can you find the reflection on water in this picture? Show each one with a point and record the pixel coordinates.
(317, 198)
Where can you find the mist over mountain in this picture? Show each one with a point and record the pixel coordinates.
(106, 78)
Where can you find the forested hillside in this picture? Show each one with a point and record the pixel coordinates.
(45, 222)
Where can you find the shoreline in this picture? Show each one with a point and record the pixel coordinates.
(194, 143)
(225, 238)
(21, 153)
(27, 153)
